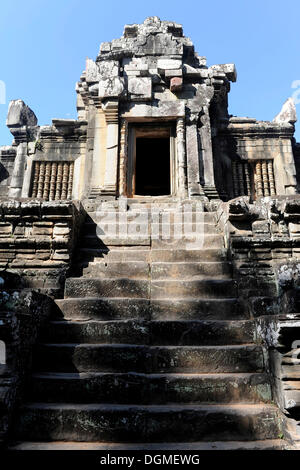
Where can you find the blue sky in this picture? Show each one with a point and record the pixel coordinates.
(45, 43)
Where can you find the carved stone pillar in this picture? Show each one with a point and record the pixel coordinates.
(17, 178)
(123, 158)
(193, 172)
(207, 155)
(181, 157)
(53, 181)
(110, 109)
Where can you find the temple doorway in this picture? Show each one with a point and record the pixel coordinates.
(152, 166)
(151, 161)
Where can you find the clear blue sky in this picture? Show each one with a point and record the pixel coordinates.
(45, 43)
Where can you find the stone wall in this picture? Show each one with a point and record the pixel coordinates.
(248, 141)
(296, 151)
(263, 242)
(37, 239)
(7, 160)
(22, 316)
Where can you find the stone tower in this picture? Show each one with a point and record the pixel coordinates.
(150, 106)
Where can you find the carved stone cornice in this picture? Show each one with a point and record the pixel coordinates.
(111, 111)
(251, 128)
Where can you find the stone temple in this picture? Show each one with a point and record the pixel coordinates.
(150, 261)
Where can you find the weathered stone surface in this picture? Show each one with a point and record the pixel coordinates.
(151, 388)
(19, 115)
(228, 69)
(288, 112)
(173, 73)
(176, 84)
(168, 64)
(92, 71)
(111, 87)
(23, 315)
(135, 65)
(144, 424)
(140, 89)
(165, 110)
(108, 69)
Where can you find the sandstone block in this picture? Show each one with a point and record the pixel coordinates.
(288, 112)
(5, 229)
(111, 87)
(61, 231)
(42, 230)
(168, 64)
(294, 228)
(176, 84)
(92, 71)
(174, 73)
(61, 255)
(105, 47)
(191, 71)
(261, 227)
(19, 115)
(19, 231)
(140, 88)
(108, 69)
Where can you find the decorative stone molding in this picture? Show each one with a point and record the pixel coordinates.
(253, 178)
(181, 156)
(37, 240)
(123, 158)
(52, 180)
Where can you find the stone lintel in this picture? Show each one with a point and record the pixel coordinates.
(164, 110)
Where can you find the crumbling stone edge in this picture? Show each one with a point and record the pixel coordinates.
(37, 241)
(262, 239)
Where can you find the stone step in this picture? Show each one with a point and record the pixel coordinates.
(93, 287)
(117, 269)
(191, 241)
(123, 423)
(141, 288)
(150, 332)
(173, 255)
(109, 308)
(267, 444)
(121, 254)
(180, 270)
(191, 308)
(199, 288)
(147, 359)
(102, 309)
(103, 241)
(143, 253)
(150, 388)
(105, 268)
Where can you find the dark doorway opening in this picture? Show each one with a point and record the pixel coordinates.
(152, 167)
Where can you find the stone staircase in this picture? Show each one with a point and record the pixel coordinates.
(150, 348)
